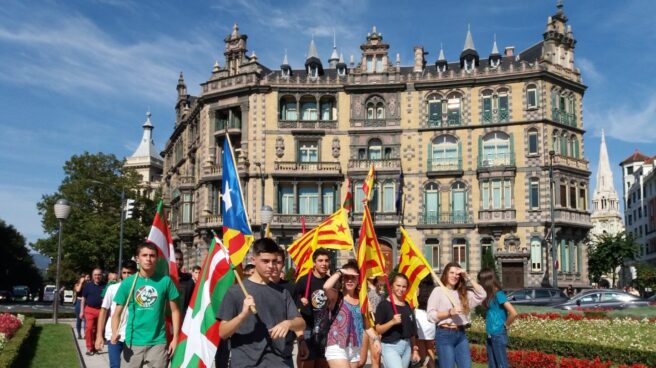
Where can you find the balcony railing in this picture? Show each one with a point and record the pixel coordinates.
(445, 218)
(296, 166)
(382, 164)
(444, 164)
(378, 217)
(295, 219)
(495, 116)
(563, 117)
(222, 124)
(572, 216)
(186, 229)
(307, 124)
(186, 182)
(211, 221)
(497, 215)
(496, 160)
(570, 162)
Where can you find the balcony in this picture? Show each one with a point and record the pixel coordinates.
(375, 123)
(444, 219)
(294, 220)
(561, 160)
(564, 216)
(211, 222)
(495, 117)
(185, 230)
(379, 218)
(211, 171)
(310, 168)
(186, 182)
(446, 120)
(232, 125)
(497, 217)
(499, 160)
(307, 124)
(390, 164)
(444, 167)
(563, 117)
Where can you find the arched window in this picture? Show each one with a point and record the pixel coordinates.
(459, 202)
(435, 110)
(432, 252)
(288, 109)
(370, 111)
(503, 105)
(487, 107)
(460, 252)
(454, 107)
(308, 108)
(574, 146)
(531, 96)
(533, 141)
(327, 107)
(432, 204)
(563, 144)
(496, 149)
(380, 111)
(536, 254)
(444, 153)
(375, 149)
(534, 193)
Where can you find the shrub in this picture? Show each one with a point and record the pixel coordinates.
(9, 324)
(10, 352)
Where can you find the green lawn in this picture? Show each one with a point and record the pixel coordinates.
(48, 346)
(644, 312)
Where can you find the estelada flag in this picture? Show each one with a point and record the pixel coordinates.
(160, 235)
(413, 264)
(368, 185)
(370, 258)
(332, 233)
(237, 234)
(199, 335)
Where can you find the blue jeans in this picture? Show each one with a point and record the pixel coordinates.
(397, 354)
(452, 348)
(497, 350)
(114, 353)
(78, 320)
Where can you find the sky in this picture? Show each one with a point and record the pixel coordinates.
(80, 75)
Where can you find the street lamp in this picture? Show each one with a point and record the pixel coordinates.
(266, 215)
(120, 246)
(554, 253)
(62, 210)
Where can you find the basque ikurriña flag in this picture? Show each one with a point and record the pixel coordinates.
(161, 237)
(237, 234)
(199, 336)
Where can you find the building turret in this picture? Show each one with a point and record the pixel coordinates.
(235, 51)
(334, 58)
(469, 56)
(342, 69)
(181, 87)
(441, 63)
(495, 57)
(313, 63)
(374, 53)
(145, 159)
(559, 42)
(285, 68)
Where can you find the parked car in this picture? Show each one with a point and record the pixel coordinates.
(537, 296)
(5, 296)
(20, 293)
(68, 296)
(49, 293)
(652, 300)
(603, 299)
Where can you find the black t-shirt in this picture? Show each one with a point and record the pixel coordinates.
(316, 310)
(186, 290)
(407, 328)
(286, 285)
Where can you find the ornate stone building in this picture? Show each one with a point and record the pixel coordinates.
(146, 160)
(467, 143)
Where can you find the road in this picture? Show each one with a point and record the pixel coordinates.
(31, 307)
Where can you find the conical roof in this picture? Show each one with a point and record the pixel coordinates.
(147, 145)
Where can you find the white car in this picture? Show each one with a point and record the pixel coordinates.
(49, 293)
(68, 296)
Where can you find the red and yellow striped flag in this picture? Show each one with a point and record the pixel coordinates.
(368, 185)
(333, 233)
(370, 258)
(414, 265)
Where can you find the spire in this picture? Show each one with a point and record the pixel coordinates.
(334, 57)
(604, 173)
(495, 49)
(147, 145)
(441, 63)
(284, 60)
(235, 31)
(495, 57)
(441, 57)
(312, 52)
(605, 215)
(182, 87)
(285, 68)
(469, 40)
(312, 62)
(216, 67)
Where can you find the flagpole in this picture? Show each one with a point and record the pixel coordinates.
(237, 277)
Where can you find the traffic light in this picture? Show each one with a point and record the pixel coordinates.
(129, 207)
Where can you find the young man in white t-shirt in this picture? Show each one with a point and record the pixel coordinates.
(104, 330)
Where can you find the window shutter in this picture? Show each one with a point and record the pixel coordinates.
(459, 155)
(512, 150)
(467, 254)
(430, 156)
(480, 150)
(428, 252)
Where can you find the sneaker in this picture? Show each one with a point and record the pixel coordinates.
(90, 353)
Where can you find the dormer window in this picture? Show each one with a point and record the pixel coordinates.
(469, 65)
(313, 72)
(285, 73)
(341, 71)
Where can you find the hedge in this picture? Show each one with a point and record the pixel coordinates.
(574, 349)
(9, 354)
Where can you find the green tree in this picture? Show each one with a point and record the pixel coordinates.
(92, 184)
(608, 252)
(646, 277)
(16, 264)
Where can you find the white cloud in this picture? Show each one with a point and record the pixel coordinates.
(589, 71)
(627, 123)
(19, 209)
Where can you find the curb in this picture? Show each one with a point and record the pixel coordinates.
(80, 358)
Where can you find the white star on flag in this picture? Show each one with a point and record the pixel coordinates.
(226, 197)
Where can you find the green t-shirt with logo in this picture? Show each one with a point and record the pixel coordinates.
(147, 308)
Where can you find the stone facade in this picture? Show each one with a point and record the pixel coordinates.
(467, 141)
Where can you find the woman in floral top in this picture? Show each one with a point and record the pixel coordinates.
(344, 348)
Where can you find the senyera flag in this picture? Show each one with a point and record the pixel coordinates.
(413, 265)
(160, 235)
(199, 336)
(368, 185)
(370, 259)
(237, 234)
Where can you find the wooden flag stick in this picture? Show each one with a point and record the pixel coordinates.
(237, 277)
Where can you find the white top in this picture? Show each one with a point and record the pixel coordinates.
(425, 329)
(109, 304)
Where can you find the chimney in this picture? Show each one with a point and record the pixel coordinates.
(509, 51)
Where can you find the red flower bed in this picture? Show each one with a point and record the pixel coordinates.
(588, 313)
(9, 324)
(536, 359)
